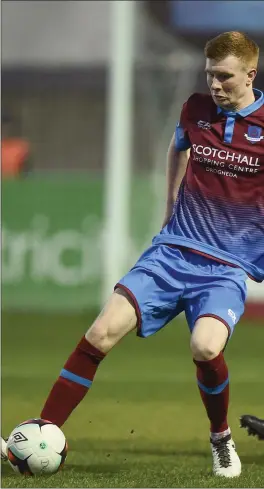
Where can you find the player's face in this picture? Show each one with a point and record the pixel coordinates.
(229, 82)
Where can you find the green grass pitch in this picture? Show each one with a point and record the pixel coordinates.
(142, 424)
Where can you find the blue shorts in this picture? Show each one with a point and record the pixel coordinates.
(167, 280)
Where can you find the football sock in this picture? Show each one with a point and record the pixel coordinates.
(213, 383)
(74, 381)
(218, 436)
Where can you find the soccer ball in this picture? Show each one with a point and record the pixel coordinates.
(36, 447)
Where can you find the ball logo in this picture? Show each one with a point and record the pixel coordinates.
(44, 463)
(17, 437)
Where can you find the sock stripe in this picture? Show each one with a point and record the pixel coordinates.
(213, 390)
(75, 378)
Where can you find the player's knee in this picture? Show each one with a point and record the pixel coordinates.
(100, 337)
(202, 350)
(104, 335)
(208, 338)
(116, 320)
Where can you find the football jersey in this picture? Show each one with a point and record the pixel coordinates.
(219, 210)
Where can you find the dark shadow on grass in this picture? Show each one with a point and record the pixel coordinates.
(167, 452)
(257, 459)
(6, 470)
(137, 448)
(105, 469)
(95, 468)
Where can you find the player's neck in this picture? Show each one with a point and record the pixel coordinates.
(245, 102)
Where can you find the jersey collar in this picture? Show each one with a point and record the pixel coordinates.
(247, 110)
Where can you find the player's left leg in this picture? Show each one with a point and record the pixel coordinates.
(214, 303)
(207, 343)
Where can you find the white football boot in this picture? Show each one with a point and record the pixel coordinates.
(226, 462)
(3, 449)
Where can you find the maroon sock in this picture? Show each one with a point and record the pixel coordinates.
(73, 383)
(213, 383)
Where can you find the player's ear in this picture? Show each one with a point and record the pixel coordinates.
(251, 76)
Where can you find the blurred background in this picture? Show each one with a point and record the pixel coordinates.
(91, 92)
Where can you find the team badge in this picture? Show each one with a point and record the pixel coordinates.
(254, 134)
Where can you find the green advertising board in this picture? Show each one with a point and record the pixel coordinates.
(52, 242)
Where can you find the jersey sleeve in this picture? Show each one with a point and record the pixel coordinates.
(182, 141)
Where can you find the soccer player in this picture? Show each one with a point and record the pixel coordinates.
(254, 425)
(211, 240)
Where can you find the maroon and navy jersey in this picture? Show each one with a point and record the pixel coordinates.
(219, 210)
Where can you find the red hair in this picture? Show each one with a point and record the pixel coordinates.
(233, 43)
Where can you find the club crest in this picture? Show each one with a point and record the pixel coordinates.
(254, 134)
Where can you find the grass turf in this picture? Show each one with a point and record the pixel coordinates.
(142, 424)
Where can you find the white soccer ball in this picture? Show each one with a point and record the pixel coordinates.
(36, 447)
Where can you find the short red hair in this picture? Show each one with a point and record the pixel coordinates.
(233, 43)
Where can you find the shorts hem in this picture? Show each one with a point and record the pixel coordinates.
(135, 302)
(219, 319)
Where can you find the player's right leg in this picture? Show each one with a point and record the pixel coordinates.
(3, 449)
(116, 320)
(148, 297)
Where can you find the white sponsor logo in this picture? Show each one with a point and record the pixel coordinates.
(232, 315)
(222, 154)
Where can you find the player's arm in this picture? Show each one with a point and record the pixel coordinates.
(177, 161)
